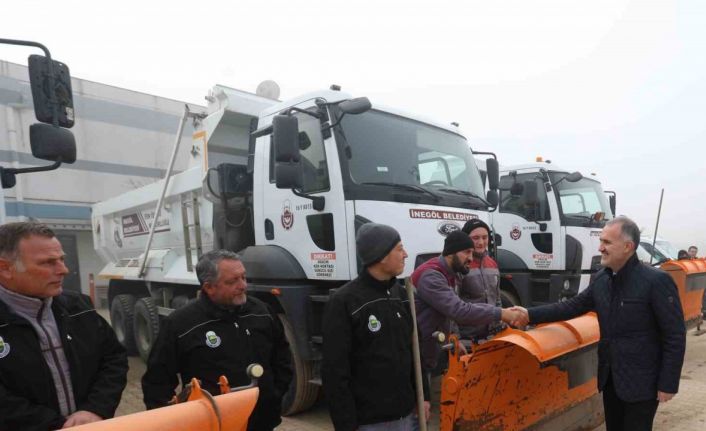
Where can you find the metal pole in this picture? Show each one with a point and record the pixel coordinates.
(417, 361)
(654, 239)
(168, 175)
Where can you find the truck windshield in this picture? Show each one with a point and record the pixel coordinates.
(667, 249)
(657, 253)
(580, 201)
(388, 157)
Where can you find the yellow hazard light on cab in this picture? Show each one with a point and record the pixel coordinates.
(539, 159)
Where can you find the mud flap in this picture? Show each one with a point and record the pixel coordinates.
(545, 377)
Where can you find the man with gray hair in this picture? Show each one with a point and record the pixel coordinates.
(60, 362)
(643, 336)
(220, 334)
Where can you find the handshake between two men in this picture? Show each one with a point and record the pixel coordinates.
(516, 316)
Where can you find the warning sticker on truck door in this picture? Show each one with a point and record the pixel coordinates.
(324, 264)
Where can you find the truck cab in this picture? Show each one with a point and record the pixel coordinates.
(286, 185)
(547, 225)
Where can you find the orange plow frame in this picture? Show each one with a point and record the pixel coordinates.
(200, 412)
(690, 278)
(519, 380)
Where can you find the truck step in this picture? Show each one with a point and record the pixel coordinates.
(317, 339)
(539, 280)
(319, 298)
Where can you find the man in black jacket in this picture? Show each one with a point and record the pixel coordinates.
(368, 373)
(60, 363)
(221, 333)
(641, 350)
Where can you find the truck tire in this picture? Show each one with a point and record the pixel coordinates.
(146, 326)
(302, 394)
(122, 311)
(508, 299)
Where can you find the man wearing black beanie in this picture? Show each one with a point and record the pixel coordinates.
(367, 366)
(438, 304)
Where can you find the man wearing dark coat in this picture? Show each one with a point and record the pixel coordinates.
(643, 336)
(61, 365)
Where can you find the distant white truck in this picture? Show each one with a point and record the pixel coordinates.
(547, 228)
(287, 185)
(653, 252)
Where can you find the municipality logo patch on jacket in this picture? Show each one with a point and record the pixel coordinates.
(373, 323)
(212, 340)
(4, 348)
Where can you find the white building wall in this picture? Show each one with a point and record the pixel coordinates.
(123, 139)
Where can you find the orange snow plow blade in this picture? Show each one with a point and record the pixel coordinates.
(200, 412)
(544, 377)
(690, 278)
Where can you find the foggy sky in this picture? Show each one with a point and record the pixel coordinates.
(614, 88)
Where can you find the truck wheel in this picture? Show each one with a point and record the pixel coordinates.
(146, 326)
(508, 299)
(122, 311)
(301, 394)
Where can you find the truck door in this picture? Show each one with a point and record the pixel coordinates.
(528, 222)
(317, 239)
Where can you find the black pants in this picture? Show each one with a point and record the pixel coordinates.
(624, 416)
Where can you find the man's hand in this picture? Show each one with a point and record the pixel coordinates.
(81, 417)
(427, 411)
(663, 397)
(515, 316)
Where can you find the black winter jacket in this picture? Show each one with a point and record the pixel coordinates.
(643, 336)
(368, 373)
(97, 361)
(205, 341)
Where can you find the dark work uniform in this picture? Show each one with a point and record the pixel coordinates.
(205, 341)
(97, 363)
(643, 339)
(368, 372)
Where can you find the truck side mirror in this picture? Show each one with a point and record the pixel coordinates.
(288, 176)
(493, 170)
(285, 139)
(51, 92)
(611, 202)
(492, 197)
(355, 106)
(52, 143)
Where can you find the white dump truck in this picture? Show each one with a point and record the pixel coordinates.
(547, 227)
(287, 185)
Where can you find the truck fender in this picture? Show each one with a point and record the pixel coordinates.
(271, 262)
(509, 261)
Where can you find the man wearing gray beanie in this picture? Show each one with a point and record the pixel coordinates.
(367, 364)
(438, 304)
